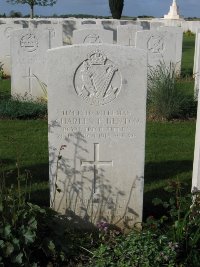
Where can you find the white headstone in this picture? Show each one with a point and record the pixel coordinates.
(98, 111)
(28, 51)
(178, 35)
(196, 162)
(55, 32)
(196, 68)
(5, 34)
(89, 36)
(160, 46)
(156, 25)
(126, 34)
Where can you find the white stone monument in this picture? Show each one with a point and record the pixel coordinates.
(196, 68)
(160, 46)
(98, 111)
(55, 32)
(196, 162)
(177, 33)
(126, 34)
(28, 52)
(5, 34)
(91, 36)
(173, 12)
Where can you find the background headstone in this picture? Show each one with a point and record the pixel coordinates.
(196, 68)
(98, 111)
(55, 32)
(160, 46)
(126, 34)
(5, 34)
(178, 35)
(28, 52)
(89, 36)
(196, 162)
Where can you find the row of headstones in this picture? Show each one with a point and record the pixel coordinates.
(29, 46)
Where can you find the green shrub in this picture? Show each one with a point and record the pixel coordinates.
(144, 249)
(189, 33)
(165, 99)
(2, 74)
(16, 109)
(31, 235)
(181, 222)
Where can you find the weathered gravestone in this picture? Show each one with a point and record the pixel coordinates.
(5, 34)
(196, 68)
(28, 51)
(160, 46)
(178, 35)
(156, 25)
(98, 110)
(55, 32)
(126, 34)
(196, 162)
(89, 36)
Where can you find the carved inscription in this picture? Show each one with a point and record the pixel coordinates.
(30, 77)
(92, 38)
(156, 44)
(7, 32)
(102, 124)
(97, 80)
(95, 164)
(29, 42)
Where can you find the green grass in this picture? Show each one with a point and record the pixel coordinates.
(28, 141)
(5, 88)
(169, 153)
(188, 55)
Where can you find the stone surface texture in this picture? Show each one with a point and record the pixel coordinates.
(92, 35)
(5, 34)
(97, 118)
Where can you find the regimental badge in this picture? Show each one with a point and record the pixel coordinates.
(156, 44)
(92, 39)
(97, 79)
(29, 42)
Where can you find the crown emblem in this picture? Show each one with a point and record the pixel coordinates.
(97, 58)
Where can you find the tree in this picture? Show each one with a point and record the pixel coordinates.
(33, 3)
(116, 7)
(15, 14)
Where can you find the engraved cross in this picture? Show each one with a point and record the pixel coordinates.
(29, 77)
(96, 163)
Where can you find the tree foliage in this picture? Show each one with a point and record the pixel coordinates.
(116, 7)
(33, 3)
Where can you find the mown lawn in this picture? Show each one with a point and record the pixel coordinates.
(169, 154)
(188, 55)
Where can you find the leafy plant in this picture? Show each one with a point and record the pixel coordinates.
(165, 99)
(189, 33)
(17, 109)
(183, 222)
(43, 87)
(2, 74)
(144, 249)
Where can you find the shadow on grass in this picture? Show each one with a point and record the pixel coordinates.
(156, 175)
(156, 171)
(37, 174)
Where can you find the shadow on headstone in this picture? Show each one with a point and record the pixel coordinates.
(87, 198)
